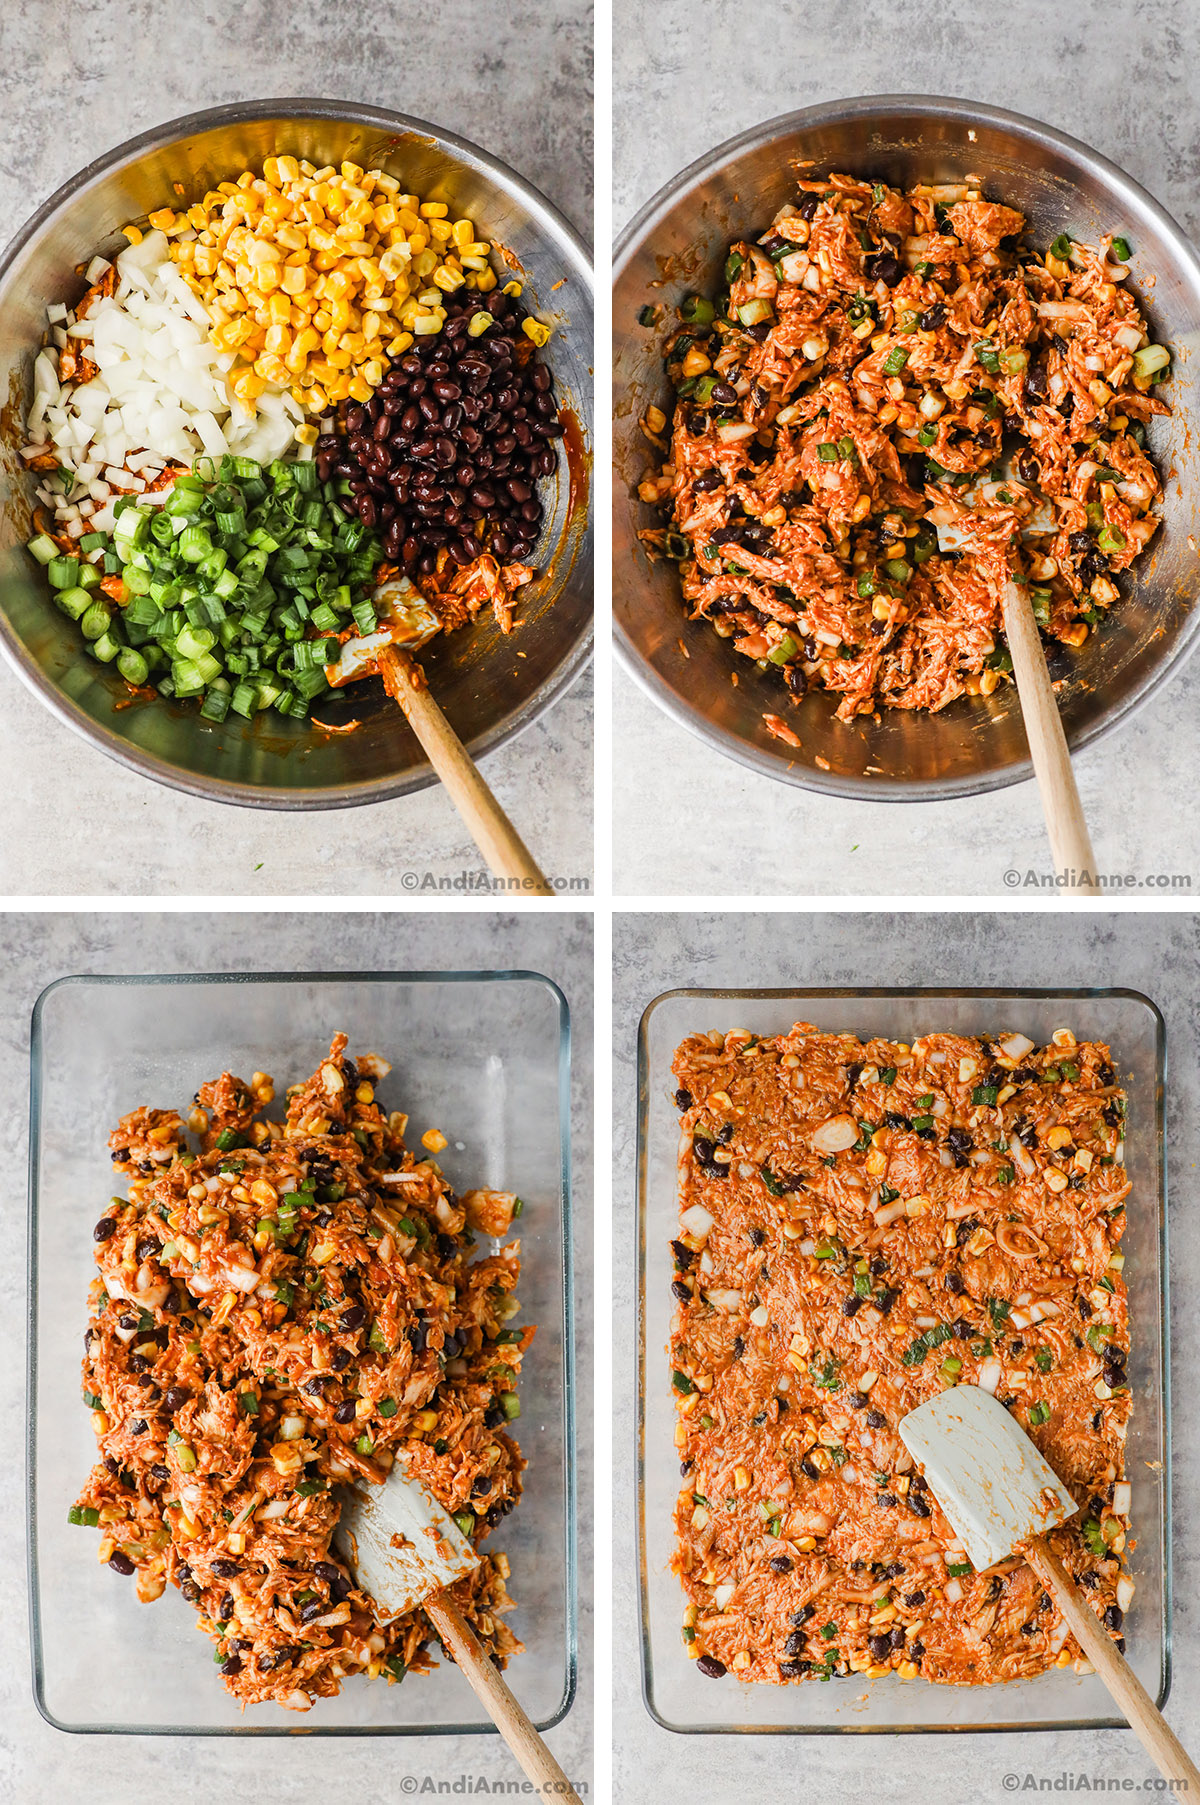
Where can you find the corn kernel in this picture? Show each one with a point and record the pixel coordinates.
(540, 334)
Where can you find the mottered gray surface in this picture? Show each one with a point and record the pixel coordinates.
(1155, 954)
(1118, 77)
(37, 1762)
(78, 78)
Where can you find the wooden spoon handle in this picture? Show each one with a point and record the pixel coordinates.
(489, 1687)
(491, 829)
(1155, 1735)
(1070, 842)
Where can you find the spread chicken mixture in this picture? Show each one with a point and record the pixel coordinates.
(863, 1224)
(288, 1308)
(892, 407)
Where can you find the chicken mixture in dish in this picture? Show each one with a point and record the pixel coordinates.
(289, 1308)
(892, 407)
(863, 1224)
(270, 406)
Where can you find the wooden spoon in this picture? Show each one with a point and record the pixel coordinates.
(1070, 842)
(1002, 1498)
(406, 1550)
(493, 832)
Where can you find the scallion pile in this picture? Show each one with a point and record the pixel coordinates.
(238, 586)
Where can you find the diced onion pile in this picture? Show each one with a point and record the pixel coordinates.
(159, 395)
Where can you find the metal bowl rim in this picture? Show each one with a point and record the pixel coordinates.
(630, 240)
(214, 789)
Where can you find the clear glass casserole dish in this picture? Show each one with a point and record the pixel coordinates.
(676, 1695)
(484, 1056)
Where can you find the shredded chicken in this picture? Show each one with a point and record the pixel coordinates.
(894, 407)
(279, 1312)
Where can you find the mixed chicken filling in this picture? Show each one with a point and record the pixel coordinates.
(863, 1224)
(893, 406)
(286, 1309)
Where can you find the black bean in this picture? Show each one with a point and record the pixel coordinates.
(883, 266)
(353, 1318)
(809, 1470)
(794, 1670)
(852, 1305)
(104, 1229)
(710, 1667)
(757, 1237)
(176, 1397)
(680, 1290)
(887, 1499)
(876, 1419)
(918, 1505)
(120, 1563)
(779, 1563)
(955, 1282)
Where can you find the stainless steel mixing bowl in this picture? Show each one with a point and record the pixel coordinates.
(490, 685)
(678, 244)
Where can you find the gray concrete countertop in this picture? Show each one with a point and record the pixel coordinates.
(76, 79)
(1115, 76)
(1156, 954)
(39, 1763)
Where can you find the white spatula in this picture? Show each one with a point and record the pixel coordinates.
(405, 1550)
(1003, 1498)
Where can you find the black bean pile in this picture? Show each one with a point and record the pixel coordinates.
(450, 448)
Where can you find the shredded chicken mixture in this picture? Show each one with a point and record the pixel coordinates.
(862, 1225)
(895, 406)
(281, 1311)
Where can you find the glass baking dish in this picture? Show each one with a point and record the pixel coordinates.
(680, 1698)
(484, 1056)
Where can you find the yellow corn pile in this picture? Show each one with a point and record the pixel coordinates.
(315, 277)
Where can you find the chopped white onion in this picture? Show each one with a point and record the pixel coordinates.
(696, 1220)
(989, 1377)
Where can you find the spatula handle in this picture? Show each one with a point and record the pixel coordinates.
(1148, 1724)
(491, 829)
(499, 1703)
(1070, 842)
